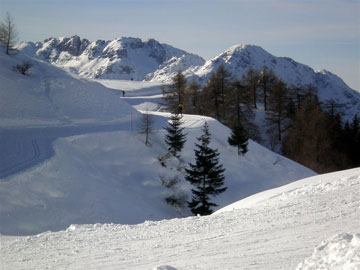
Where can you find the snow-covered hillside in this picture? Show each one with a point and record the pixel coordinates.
(114, 177)
(71, 153)
(122, 58)
(309, 224)
(74, 169)
(50, 96)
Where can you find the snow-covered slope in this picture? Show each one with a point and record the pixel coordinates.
(70, 153)
(114, 177)
(280, 232)
(240, 58)
(51, 96)
(122, 58)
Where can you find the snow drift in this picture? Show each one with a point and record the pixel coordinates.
(342, 251)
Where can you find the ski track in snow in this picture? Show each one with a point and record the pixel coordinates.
(34, 145)
(277, 233)
(27, 147)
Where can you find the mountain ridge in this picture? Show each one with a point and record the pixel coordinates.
(121, 58)
(129, 58)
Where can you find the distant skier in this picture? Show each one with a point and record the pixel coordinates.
(180, 109)
(123, 93)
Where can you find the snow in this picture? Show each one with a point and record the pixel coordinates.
(71, 153)
(239, 58)
(50, 96)
(80, 190)
(112, 177)
(342, 251)
(122, 58)
(131, 58)
(310, 186)
(276, 234)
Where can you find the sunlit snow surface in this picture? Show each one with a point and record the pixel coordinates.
(279, 232)
(342, 251)
(71, 154)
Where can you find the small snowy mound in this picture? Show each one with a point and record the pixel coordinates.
(342, 251)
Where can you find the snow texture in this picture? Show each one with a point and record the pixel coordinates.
(52, 97)
(342, 251)
(281, 232)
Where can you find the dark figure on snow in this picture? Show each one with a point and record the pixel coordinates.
(180, 109)
(123, 93)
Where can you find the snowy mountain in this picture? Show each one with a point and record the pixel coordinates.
(240, 58)
(131, 58)
(310, 224)
(70, 153)
(123, 58)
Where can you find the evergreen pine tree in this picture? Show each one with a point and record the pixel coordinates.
(239, 139)
(206, 175)
(175, 137)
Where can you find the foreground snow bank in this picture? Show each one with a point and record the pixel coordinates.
(276, 234)
(341, 251)
(306, 187)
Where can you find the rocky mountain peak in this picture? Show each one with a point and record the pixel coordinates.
(120, 58)
(131, 58)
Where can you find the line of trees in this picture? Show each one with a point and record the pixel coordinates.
(289, 125)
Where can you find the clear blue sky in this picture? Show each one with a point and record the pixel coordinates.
(319, 33)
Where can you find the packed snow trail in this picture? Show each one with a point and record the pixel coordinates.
(277, 232)
(23, 148)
